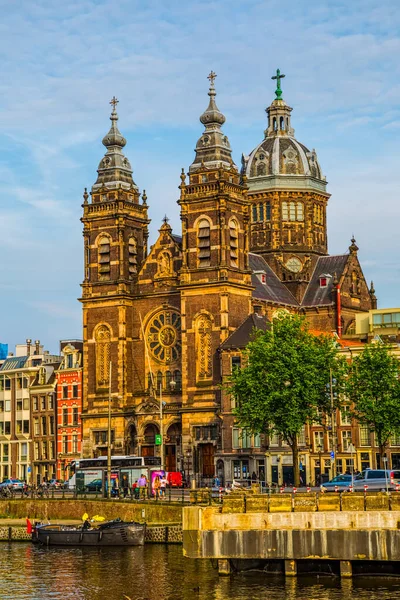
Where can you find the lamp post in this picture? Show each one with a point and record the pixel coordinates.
(109, 439)
(172, 385)
(319, 448)
(351, 449)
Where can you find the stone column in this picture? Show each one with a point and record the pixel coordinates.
(290, 568)
(224, 566)
(346, 569)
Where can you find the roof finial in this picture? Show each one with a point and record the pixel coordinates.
(114, 101)
(165, 220)
(85, 196)
(278, 77)
(353, 247)
(144, 197)
(212, 115)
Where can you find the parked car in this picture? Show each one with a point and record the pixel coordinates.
(94, 486)
(16, 484)
(56, 483)
(340, 482)
(376, 479)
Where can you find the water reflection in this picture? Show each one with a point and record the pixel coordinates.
(159, 573)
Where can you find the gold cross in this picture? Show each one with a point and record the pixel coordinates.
(114, 102)
(211, 77)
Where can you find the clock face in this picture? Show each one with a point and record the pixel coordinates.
(294, 265)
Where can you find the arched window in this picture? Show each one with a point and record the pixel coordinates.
(254, 213)
(168, 378)
(275, 124)
(104, 265)
(178, 380)
(261, 169)
(261, 211)
(268, 211)
(149, 382)
(103, 355)
(159, 381)
(204, 348)
(204, 243)
(285, 212)
(282, 120)
(234, 243)
(292, 211)
(132, 256)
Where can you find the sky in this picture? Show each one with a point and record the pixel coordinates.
(61, 63)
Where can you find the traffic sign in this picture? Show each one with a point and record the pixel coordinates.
(332, 454)
(29, 469)
(158, 439)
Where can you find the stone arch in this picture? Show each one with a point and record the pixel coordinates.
(131, 438)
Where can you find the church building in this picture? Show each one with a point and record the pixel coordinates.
(161, 327)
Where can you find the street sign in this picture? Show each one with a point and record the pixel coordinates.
(332, 454)
(158, 439)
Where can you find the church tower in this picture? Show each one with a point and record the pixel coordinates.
(115, 231)
(288, 199)
(215, 280)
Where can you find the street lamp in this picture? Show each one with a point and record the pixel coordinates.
(352, 450)
(319, 448)
(172, 385)
(109, 439)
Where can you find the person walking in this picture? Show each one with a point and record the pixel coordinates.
(157, 487)
(142, 483)
(163, 486)
(125, 486)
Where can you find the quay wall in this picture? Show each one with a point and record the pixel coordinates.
(59, 509)
(332, 535)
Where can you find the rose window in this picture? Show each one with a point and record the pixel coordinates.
(164, 336)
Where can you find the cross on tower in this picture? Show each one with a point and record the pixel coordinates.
(212, 77)
(114, 102)
(165, 220)
(278, 78)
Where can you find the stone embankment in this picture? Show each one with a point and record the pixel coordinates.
(164, 520)
(283, 532)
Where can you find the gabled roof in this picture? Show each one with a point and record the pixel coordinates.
(326, 265)
(243, 334)
(273, 290)
(14, 362)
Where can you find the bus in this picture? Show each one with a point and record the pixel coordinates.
(90, 474)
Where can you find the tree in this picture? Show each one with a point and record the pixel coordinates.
(374, 389)
(284, 381)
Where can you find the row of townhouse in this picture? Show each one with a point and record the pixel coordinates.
(40, 411)
(336, 444)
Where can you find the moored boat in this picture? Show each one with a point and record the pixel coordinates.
(110, 533)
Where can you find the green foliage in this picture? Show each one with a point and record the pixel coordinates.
(374, 388)
(285, 380)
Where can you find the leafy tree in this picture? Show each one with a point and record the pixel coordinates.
(374, 389)
(284, 381)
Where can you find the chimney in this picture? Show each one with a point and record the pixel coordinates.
(28, 347)
(37, 346)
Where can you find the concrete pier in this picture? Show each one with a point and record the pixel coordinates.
(341, 537)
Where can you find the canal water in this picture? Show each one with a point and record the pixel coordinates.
(159, 573)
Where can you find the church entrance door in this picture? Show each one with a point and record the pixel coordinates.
(207, 460)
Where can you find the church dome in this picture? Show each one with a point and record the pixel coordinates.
(280, 154)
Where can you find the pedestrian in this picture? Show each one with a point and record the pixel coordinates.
(157, 487)
(125, 486)
(163, 486)
(142, 483)
(254, 477)
(135, 490)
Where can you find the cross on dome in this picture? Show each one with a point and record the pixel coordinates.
(278, 77)
(212, 77)
(114, 101)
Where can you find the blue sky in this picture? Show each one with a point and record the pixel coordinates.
(62, 62)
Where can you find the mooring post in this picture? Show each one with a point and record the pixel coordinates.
(224, 566)
(290, 568)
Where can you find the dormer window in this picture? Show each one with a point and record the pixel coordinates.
(262, 276)
(324, 280)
